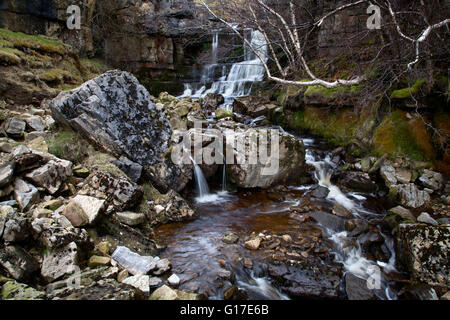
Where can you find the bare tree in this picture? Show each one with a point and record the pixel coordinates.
(282, 22)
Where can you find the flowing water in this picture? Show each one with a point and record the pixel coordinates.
(208, 265)
(238, 82)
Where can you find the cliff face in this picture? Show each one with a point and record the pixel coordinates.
(144, 37)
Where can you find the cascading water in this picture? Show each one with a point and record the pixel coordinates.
(241, 77)
(350, 256)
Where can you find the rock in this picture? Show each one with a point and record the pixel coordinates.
(60, 262)
(130, 218)
(81, 172)
(355, 227)
(119, 193)
(122, 275)
(164, 293)
(52, 205)
(432, 180)
(171, 207)
(425, 218)
(28, 161)
(287, 238)
(212, 101)
(402, 212)
(254, 106)
(16, 228)
(174, 280)
(5, 147)
(104, 247)
(141, 282)
(359, 181)
(20, 150)
(253, 244)
(56, 231)
(357, 288)
(96, 261)
(36, 123)
(155, 282)
(230, 238)
(15, 128)
(159, 209)
(25, 194)
(403, 175)
(223, 113)
(446, 296)
(288, 166)
(6, 173)
(52, 175)
(133, 262)
(83, 210)
(117, 113)
(132, 169)
(230, 293)
(342, 211)
(18, 263)
(328, 220)
(423, 250)
(411, 196)
(387, 172)
(447, 200)
(320, 192)
(421, 292)
(13, 290)
(37, 144)
(162, 266)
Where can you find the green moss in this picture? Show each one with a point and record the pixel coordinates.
(407, 93)
(40, 43)
(55, 76)
(69, 145)
(9, 56)
(332, 93)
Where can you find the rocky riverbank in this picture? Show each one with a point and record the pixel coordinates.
(79, 223)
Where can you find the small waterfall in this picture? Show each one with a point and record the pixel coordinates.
(224, 178)
(350, 256)
(202, 184)
(239, 81)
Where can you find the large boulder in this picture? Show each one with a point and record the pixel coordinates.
(423, 250)
(116, 113)
(411, 196)
(254, 106)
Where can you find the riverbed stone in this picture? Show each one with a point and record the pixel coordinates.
(402, 212)
(97, 261)
(162, 266)
(133, 262)
(36, 123)
(357, 288)
(174, 280)
(164, 293)
(358, 181)
(141, 282)
(253, 244)
(426, 218)
(131, 218)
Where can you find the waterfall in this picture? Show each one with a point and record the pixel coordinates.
(239, 81)
(202, 184)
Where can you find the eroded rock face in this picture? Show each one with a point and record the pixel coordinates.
(423, 250)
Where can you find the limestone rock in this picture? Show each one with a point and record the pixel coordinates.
(18, 263)
(141, 282)
(130, 218)
(411, 196)
(388, 174)
(6, 173)
(432, 180)
(174, 280)
(36, 123)
(164, 293)
(60, 262)
(25, 194)
(425, 218)
(15, 128)
(82, 207)
(133, 262)
(253, 244)
(52, 175)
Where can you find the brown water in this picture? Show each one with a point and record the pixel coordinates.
(207, 265)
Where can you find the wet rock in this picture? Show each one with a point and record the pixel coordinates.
(223, 113)
(36, 123)
(212, 101)
(230, 238)
(411, 196)
(52, 175)
(130, 218)
(171, 207)
(425, 218)
(342, 211)
(387, 172)
(13, 290)
(230, 293)
(357, 288)
(15, 128)
(174, 280)
(162, 266)
(355, 227)
(320, 192)
(287, 238)
(6, 173)
(133, 262)
(328, 220)
(423, 250)
(253, 244)
(432, 180)
(25, 194)
(141, 282)
(359, 181)
(421, 292)
(254, 106)
(60, 262)
(119, 193)
(18, 263)
(403, 213)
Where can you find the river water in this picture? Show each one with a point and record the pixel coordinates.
(208, 265)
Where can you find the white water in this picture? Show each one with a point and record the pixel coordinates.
(350, 252)
(241, 77)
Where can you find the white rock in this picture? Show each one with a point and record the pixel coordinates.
(141, 282)
(90, 205)
(425, 218)
(174, 280)
(159, 209)
(133, 262)
(60, 262)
